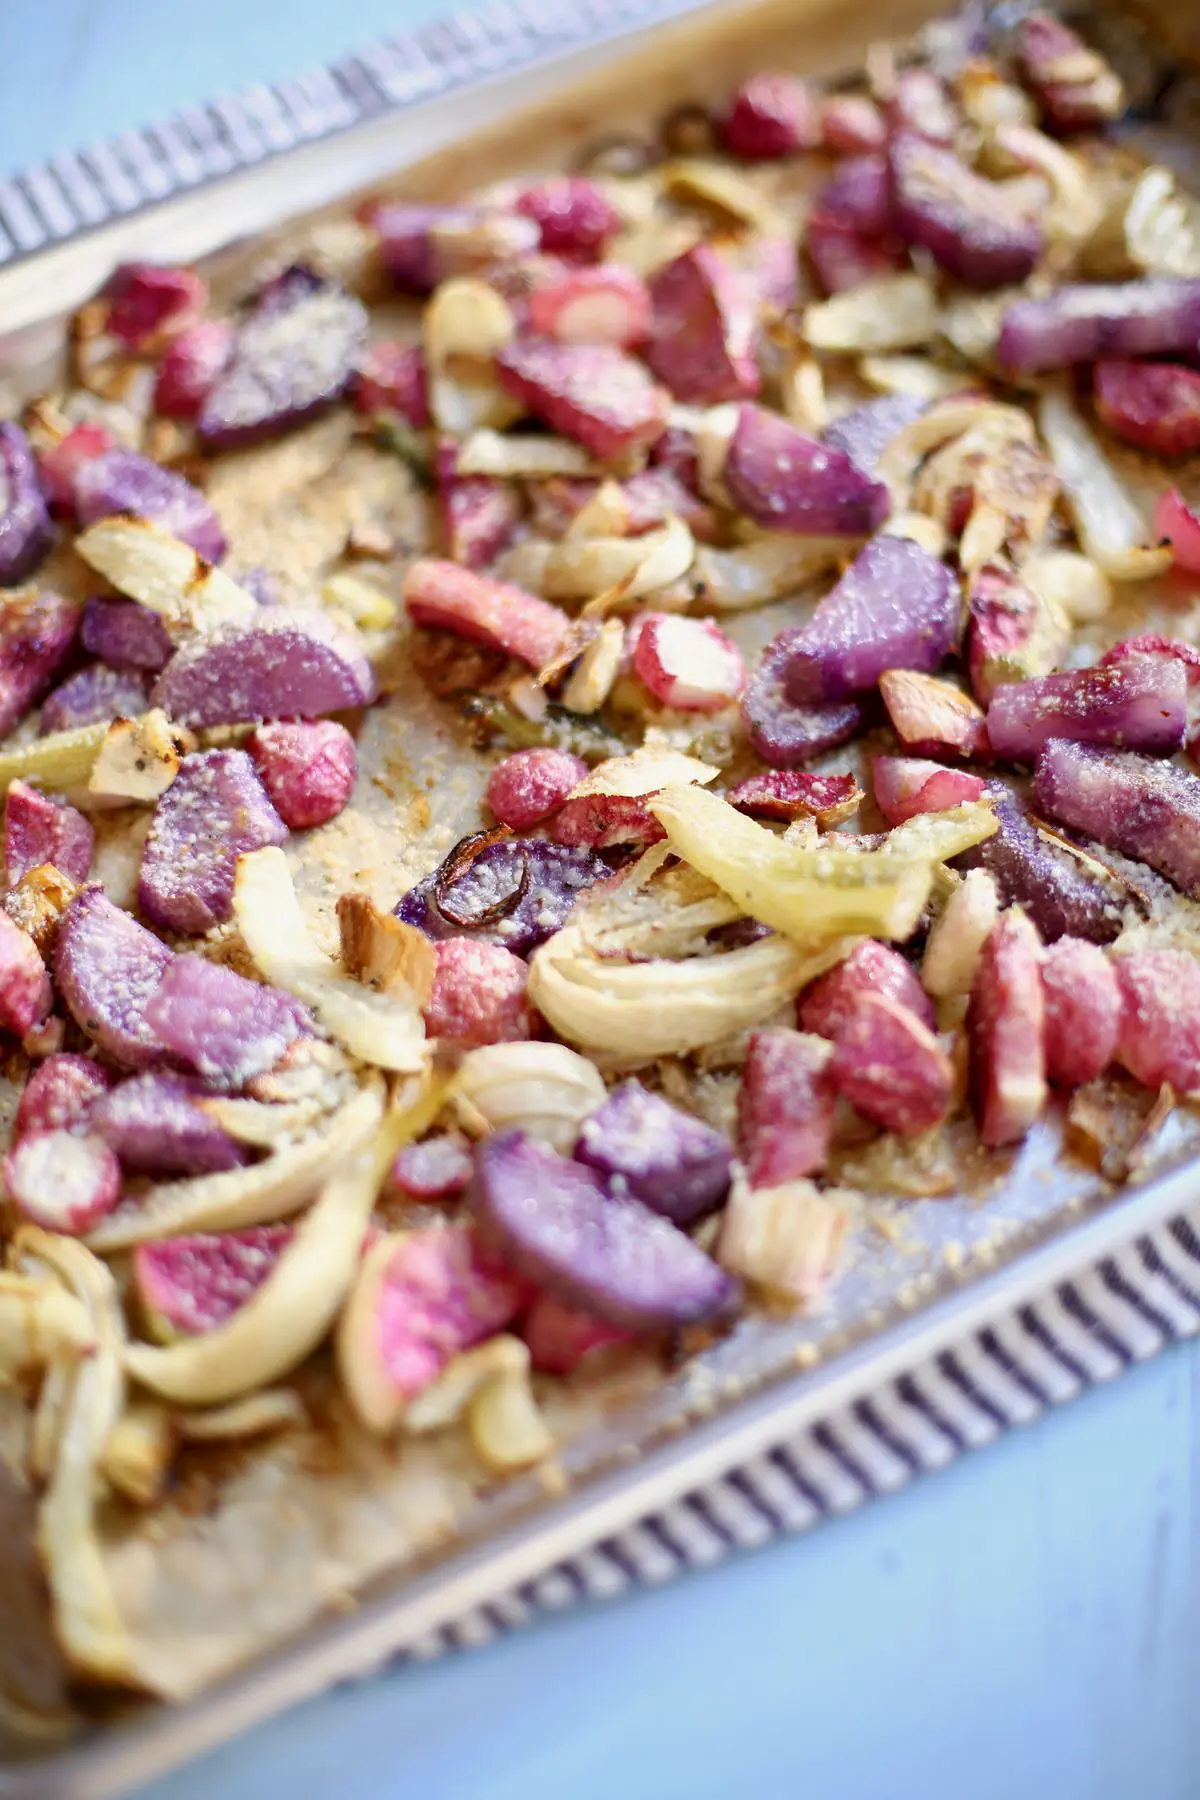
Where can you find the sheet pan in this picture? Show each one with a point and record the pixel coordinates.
(516, 89)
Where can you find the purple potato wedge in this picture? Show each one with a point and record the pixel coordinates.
(123, 481)
(859, 195)
(1159, 316)
(1059, 897)
(40, 830)
(26, 532)
(295, 355)
(94, 694)
(896, 607)
(1136, 705)
(864, 434)
(107, 967)
(674, 1162)
(215, 809)
(155, 1127)
(789, 482)
(224, 1027)
(606, 1252)
(967, 223)
(125, 635)
(1146, 809)
(781, 732)
(289, 664)
(37, 631)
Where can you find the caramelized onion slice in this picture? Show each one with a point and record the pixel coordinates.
(87, 1620)
(1107, 519)
(812, 893)
(636, 1012)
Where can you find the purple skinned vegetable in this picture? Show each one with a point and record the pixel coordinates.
(224, 1027)
(423, 245)
(289, 664)
(122, 481)
(675, 1163)
(1145, 809)
(215, 810)
(1159, 316)
(967, 223)
(26, 532)
(1136, 705)
(516, 892)
(156, 1128)
(295, 355)
(864, 434)
(94, 694)
(859, 196)
(260, 583)
(896, 607)
(189, 1285)
(789, 482)
(37, 632)
(1013, 634)
(1060, 899)
(107, 967)
(479, 516)
(783, 733)
(607, 1252)
(40, 830)
(437, 1168)
(125, 635)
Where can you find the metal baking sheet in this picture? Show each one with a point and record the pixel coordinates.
(530, 86)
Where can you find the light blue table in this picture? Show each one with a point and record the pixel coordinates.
(1024, 1625)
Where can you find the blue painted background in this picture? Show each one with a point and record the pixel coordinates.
(1022, 1627)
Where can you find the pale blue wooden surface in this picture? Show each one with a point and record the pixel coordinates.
(1022, 1626)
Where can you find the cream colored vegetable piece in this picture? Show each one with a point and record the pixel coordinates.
(809, 894)
(87, 1621)
(1108, 521)
(61, 760)
(383, 1028)
(515, 458)
(579, 570)
(787, 1240)
(506, 1430)
(543, 1089)
(446, 1399)
(272, 1409)
(137, 1456)
(40, 1322)
(146, 563)
(764, 569)
(592, 678)
(138, 760)
(890, 312)
(635, 1012)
